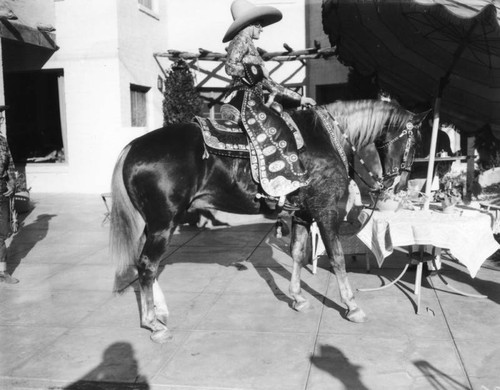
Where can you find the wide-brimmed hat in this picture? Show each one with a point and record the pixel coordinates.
(245, 14)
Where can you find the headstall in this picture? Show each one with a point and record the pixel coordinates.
(407, 161)
(379, 181)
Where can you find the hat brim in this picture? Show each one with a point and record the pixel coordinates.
(265, 15)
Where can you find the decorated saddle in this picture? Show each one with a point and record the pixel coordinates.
(226, 137)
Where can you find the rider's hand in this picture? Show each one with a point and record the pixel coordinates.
(265, 71)
(307, 101)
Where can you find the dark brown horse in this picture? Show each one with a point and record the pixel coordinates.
(164, 174)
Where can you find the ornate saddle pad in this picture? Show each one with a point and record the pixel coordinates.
(224, 137)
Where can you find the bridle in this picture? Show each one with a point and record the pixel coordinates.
(407, 160)
(379, 186)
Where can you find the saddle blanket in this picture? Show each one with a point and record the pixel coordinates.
(224, 137)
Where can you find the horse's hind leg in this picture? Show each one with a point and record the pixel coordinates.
(151, 295)
(298, 248)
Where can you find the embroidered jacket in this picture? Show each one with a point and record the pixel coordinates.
(241, 51)
(7, 168)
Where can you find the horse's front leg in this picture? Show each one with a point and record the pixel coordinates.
(298, 249)
(161, 309)
(354, 312)
(150, 292)
(336, 255)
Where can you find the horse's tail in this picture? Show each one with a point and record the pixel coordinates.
(127, 224)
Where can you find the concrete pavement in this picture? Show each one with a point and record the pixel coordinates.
(62, 328)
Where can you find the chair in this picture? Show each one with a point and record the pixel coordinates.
(494, 211)
(107, 214)
(351, 245)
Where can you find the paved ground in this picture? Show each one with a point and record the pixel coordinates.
(61, 327)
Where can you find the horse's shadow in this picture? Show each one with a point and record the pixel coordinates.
(26, 239)
(267, 270)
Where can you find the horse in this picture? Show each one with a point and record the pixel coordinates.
(166, 173)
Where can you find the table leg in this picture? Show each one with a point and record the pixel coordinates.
(314, 231)
(456, 290)
(387, 285)
(418, 284)
(435, 264)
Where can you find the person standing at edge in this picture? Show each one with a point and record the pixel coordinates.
(7, 188)
(276, 157)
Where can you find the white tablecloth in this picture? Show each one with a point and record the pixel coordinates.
(466, 234)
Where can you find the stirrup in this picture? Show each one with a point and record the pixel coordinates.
(281, 202)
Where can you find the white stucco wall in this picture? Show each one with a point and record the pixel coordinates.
(140, 34)
(104, 47)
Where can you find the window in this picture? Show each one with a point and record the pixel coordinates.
(138, 105)
(149, 7)
(147, 4)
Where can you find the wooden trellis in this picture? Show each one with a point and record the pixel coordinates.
(194, 61)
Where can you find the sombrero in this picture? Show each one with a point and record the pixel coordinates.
(245, 13)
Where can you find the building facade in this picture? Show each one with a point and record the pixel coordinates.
(86, 82)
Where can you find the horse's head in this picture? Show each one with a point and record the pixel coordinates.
(384, 127)
(397, 148)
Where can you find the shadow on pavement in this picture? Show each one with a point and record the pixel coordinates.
(119, 370)
(26, 239)
(334, 362)
(437, 378)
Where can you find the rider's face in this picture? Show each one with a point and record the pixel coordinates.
(257, 29)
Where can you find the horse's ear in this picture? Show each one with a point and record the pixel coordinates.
(419, 118)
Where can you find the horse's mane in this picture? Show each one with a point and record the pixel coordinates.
(365, 120)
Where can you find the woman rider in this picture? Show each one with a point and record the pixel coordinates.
(275, 155)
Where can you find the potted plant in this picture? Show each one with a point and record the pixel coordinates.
(451, 188)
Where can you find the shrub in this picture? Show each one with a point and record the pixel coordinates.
(181, 100)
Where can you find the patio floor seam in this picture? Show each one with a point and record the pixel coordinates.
(317, 332)
(455, 346)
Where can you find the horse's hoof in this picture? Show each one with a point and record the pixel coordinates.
(300, 306)
(161, 336)
(357, 315)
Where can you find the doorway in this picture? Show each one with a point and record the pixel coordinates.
(34, 126)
